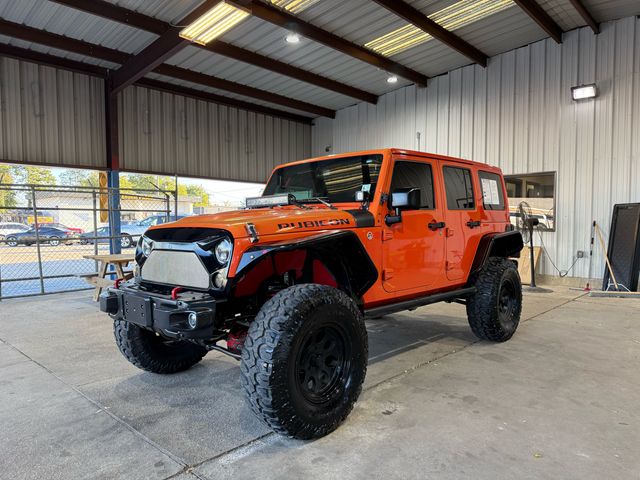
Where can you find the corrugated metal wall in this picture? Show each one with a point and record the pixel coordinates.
(50, 116)
(165, 133)
(54, 117)
(518, 114)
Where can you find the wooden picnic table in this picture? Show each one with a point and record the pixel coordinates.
(119, 262)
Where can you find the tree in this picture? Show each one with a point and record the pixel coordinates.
(199, 191)
(79, 178)
(7, 197)
(30, 175)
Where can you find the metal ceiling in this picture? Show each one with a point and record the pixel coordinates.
(357, 21)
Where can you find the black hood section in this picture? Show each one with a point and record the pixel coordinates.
(184, 235)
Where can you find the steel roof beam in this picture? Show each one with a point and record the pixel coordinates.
(586, 15)
(147, 60)
(52, 61)
(284, 19)
(61, 42)
(424, 23)
(214, 98)
(221, 84)
(542, 18)
(121, 15)
(155, 54)
(101, 72)
(84, 48)
(108, 10)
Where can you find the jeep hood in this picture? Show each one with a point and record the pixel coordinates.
(269, 221)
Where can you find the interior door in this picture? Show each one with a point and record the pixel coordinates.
(413, 249)
(461, 207)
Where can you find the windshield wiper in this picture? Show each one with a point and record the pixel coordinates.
(294, 201)
(322, 201)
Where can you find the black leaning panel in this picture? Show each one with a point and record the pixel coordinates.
(624, 246)
(363, 218)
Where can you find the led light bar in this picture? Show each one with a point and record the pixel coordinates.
(270, 201)
(214, 23)
(293, 6)
(584, 92)
(455, 16)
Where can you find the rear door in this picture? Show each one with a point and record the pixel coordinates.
(413, 257)
(461, 218)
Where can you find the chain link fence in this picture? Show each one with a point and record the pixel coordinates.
(46, 233)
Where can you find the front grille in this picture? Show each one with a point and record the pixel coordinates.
(176, 268)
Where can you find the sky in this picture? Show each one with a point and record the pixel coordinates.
(220, 191)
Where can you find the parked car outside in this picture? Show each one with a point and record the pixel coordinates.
(51, 235)
(63, 227)
(9, 228)
(129, 232)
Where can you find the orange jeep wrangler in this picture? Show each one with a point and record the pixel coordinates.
(285, 284)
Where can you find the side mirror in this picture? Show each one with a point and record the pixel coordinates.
(403, 199)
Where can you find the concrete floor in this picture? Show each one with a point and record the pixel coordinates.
(560, 400)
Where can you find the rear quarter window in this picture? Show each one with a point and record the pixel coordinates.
(492, 193)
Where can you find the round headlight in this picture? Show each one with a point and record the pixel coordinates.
(147, 246)
(223, 251)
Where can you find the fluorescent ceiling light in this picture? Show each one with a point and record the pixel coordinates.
(214, 23)
(584, 92)
(294, 6)
(455, 16)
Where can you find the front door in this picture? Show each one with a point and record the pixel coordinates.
(460, 212)
(413, 249)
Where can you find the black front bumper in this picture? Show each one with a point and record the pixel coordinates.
(170, 317)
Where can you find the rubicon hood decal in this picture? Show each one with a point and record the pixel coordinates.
(269, 221)
(315, 223)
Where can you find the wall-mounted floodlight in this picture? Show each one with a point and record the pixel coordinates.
(584, 92)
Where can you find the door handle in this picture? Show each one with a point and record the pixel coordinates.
(436, 225)
(472, 224)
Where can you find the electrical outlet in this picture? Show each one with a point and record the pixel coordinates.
(579, 254)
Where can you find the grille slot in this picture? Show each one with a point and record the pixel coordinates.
(178, 268)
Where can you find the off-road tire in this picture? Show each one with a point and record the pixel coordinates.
(148, 351)
(494, 310)
(289, 328)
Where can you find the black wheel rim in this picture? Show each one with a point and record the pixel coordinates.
(323, 364)
(507, 301)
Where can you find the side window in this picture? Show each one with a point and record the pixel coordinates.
(457, 184)
(492, 194)
(415, 175)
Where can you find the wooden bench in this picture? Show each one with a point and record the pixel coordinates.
(99, 279)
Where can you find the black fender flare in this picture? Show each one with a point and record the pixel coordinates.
(507, 244)
(340, 250)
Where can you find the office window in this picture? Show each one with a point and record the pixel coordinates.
(538, 191)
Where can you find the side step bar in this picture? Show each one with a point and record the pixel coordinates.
(419, 302)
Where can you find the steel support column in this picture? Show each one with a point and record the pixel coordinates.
(113, 167)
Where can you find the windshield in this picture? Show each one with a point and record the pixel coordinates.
(336, 180)
(148, 222)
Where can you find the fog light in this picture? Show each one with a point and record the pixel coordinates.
(193, 320)
(219, 280)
